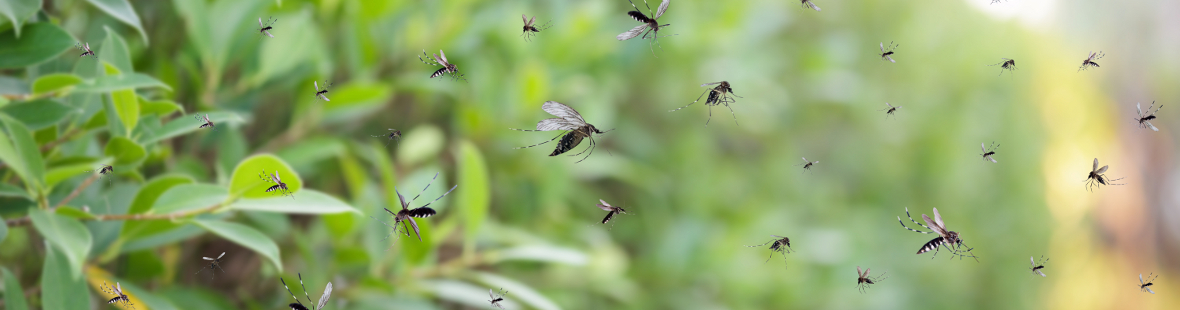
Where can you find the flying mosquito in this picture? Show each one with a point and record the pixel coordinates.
(780, 244)
(447, 66)
(85, 50)
(1036, 268)
(264, 28)
(215, 264)
(1144, 286)
(807, 164)
(648, 22)
(576, 129)
(278, 186)
(393, 134)
(885, 52)
(205, 122)
(530, 29)
(496, 299)
(321, 94)
(1145, 119)
(1097, 177)
(121, 297)
(946, 238)
(890, 110)
(722, 94)
(808, 4)
(407, 215)
(987, 154)
(103, 172)
(298, 305)
(610, 210)
(863, 280)
(1089, 62)
(1008, 64)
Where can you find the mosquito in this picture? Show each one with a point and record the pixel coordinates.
(264, 28)
(321, 94)
(447, 67)
(946, 238)
(407, 215)
(103, 172)
(987, 153)
(121, 297)
(1145, 119)
(808, 4)
(1036, 267)
(1097, 177)
(890, 110)
(530, 29)
(576, 129)
(885, 52)
(1008, 64)
(780, 244)
(215, 264)
(647, 23)
(279, 186)
(1089, 62)
(496, 299)
(807, 164)
(85, 50)
(1144, 286)
(610, 210)
(393, 134)
(298, 305)
(205, 122)
(863, 280)
(722, 94)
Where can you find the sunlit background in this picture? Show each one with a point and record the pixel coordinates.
(812, 85)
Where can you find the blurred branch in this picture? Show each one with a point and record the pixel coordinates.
(76, 191)
(131, 217)
(63, 138)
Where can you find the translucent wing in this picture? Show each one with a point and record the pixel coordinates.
(267, 33)
(890, 59)
(317, 85)
(890, 105)
(490, 295)
(444, 56)
(87, 46)
(992, 159)
(324, 298)
(882, 45)
(524, 19)
(415, 225)
(663, 7)
(322, 97)
(604, 206)
(206, 258)
(867, 270)
(631, 33)
(982, 147)
(858, 274)
(277, 178)
(1137, 109)
(1040, 273)
(1141, 279)
(260, 22)
(207, 120)
(402, 198)
(437, 59)
(1102, 170)
(555, 124)
(1032, 261)
(532, 20)
(1095, 165)
(938, 220)
(119, 288)
(1149, 125)
(805, 160)
(813, 6)
(222, 254)
(563, 111)
(707, 84)
(1149, 290)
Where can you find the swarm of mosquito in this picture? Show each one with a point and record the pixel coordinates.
(863, 280)
(1037, 267)
(215, 263)
(321, 94)
(1007, 64)
(116, 290)
(264, 28)
(496, 299)
(568, 120)
(1145, 119)
(104, 172)
(298, 305)
(1089, 62)
(85, 50)
(1097, 177)
(405, 216)
(1143, 285)
(808, 5)
(393, 134)
(780, 244)
(205, 122)
(886, 52)
(890, 110)
(531, 29)
(279, 186)
(649, 27)
(987, 153)
(722, 94)
(447, 67)
(946, 238)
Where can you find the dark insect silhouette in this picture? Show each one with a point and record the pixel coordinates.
(780, 244)
(807, 164)
(890, 110)
(987, 154)
(407, 215)
(1097, 177)
(1143, 286)
(886, 52)
(649, 27)
(1089, 62)
(298, 305)
(1008, 64)
(863, 280)
(611, 211)
(104, 172)
(946, 238)
(393, 134)
(85, 50)
(1036, 268)
(530, 29)
(278, 186)
(321, 94)
(264, 28)
(808, 4)
(1145, 119)
(205, 122)
(568, 120)
(496, 299)
(216, 264)
(120, 297)
(722, 94)
(447, 67)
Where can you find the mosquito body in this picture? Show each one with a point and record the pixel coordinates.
(1089, 62)
(264, 28)
(780, 244)
(611, 211)
(1145, 119)
(103, 172)
(496, 299)
(722, 94)
(807, 4)
(205, 122)
(298, 305)
(863, 280)
(568, 120)
(1008, 64)
(279, 186)
(890, 110)
(531, 29)
(85, 50)
(987, 154)
(120, 297)
(946, 238)
(321, 94)
(649, 27)
(407, 215)
(215, 264)
(1143, 286)
(447, 67)
(886, 52)
(393, 134)
(1036, 268)
(1097, 177)
(807, 164)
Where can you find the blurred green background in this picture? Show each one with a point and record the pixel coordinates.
(811, 84)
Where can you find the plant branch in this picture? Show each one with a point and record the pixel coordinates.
(68, 135)
(76, 191)
(131, 217)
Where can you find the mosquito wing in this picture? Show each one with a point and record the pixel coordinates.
(324, 298)
(983, 147)
(267, 33)
(1140, 279)
(707, 84)
(444, 57)
(260, 22)
(858, 274)
(889, 105)
(490, 295)
(556, 124)
(220, 256)
(1137, 109)
(524, 19)
(1038, 271)
(563, 111)
(805, 160)
(415, 226)
(938, 220)
(317, 85)
(87, 46)
(403, 200)
(813, 6)
(1149, 290)
(1149, 125)
(1032, 261)
(119, 288)
(662, 9)
(1095, 165)
(277, 178)
(206, 258)
(604, 206)
(890, 59)
(867, 270)
(993, 160)
(532, 20)
(930, 224)
(631, 33)
(1102, 170)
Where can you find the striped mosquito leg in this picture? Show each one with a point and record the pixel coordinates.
(911, 229)
(907, 214)
(427, 186)
(440, 197)
(525, 147)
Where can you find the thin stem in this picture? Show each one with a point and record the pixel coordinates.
(130, 217)
(68, 135)
(77, 191)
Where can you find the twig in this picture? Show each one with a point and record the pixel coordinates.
(129, 217)
(68, 135)
(76, 191)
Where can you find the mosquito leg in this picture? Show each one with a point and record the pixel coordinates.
(735, 122)
(760, 245)
(907, 213)
(424, 189)
(525, 147)
(590, 149)
(911, 229)
(440, 197)
(694, 101)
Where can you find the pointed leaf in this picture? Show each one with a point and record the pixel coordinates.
(57, 282)
(127, 107)
(19, 150)
(307, 202)
(66, 234)
(14, 295)
(9, 190)
(473, 200)
(184, 125)
(125, 151)
(114, 51)
(158, 107)
(3, 229)
(121, 10)
(18, 11)
(246, 182)
(54, 82)
(245, 236)
(126, 80)
(38, 43)
(96, 276)
(39, 114)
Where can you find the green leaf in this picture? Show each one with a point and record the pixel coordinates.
(127, 107)
(246, 181)
(62, 172)
(159, 107)
(245, 236)
(40, 42)
(522, 292)
(147, 196)
(54, 82)
(185, 197)
(39, 114)
(421, 143)
(18, 11)
(352, 101)
(307, 202)
(110, 83)
(14, 296)
(66, 234)
(277, 58)
(3, 229)
(73, 212)
(125, 151)
(473, 200)
(9, 190)
(18, 149)
(121, 10)
(58, 282)
(184, 125)
(114, 51)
